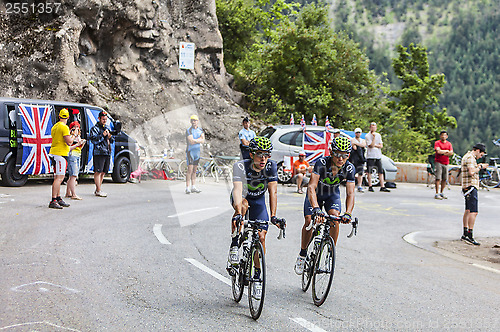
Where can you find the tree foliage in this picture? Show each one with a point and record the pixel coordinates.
(416, 120)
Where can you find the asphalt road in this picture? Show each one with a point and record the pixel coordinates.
(150, 258)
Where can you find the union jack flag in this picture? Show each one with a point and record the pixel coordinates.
(92, 118)
(327, 124)
(314, 122)
(36, 124)
(315, 145)
(291, 120)
(303, 122)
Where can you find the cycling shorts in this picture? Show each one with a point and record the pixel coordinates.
(60, 163)
(329, 202)
(193, 157)
(257, 209)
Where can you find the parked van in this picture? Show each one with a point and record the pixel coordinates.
(25, 139)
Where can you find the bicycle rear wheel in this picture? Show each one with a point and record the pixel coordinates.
(324, 268)
(255, 301)
(237, 285)
(489, 179)
(308, 265)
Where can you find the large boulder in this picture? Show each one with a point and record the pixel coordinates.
(124, 55)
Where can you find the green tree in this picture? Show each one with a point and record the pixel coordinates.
(416, 105)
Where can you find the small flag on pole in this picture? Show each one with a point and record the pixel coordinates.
(327, 124)
(314, 122)
(303, 122)
(291, 120)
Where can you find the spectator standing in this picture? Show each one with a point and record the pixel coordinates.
(470, 184)
(336, 133)
(374, 156)
(194, 138)
(245, 135)
(75, 152)
(300, 169)
(357, 157)
(59, 149)
(444, 151)
(102, 139)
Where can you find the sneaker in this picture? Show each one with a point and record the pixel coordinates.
(257, 290)
(360, 189)
(188, 191)
(464, 238)
(55, 205)
(299, 265)
(370, 189)
(62, 203)
(472, 241)
(233, 256)
(100, 194)
(437, 196)
(443, 196)
(195, 190)
(384, 189)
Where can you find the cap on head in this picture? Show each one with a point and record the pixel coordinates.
(358, 130)
(373, 124)
(194, 117)
(246, 119)
(480, 146)
(103, 113)
(64, 114)
(302, 153)
(74, 124)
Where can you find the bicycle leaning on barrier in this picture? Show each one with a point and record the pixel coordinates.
(490, 177)
(319, 265)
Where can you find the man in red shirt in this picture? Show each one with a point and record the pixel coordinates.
(444, 151)
(300, 169)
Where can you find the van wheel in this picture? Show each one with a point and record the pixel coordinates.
(122, 170)
(283, 177)
(11, 176)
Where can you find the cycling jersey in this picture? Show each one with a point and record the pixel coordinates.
(328, 183)
(254, 183)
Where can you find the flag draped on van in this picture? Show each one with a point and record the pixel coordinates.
(36, 122)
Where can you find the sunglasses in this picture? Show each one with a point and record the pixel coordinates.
(263, 154)
(341, 155)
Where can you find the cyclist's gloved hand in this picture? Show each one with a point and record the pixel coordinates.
(279, 222)
(237, 219)
(316, 213)
(346, 218)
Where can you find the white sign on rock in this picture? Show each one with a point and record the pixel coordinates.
(186, 55)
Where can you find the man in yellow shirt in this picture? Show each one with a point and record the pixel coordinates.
(59, 150)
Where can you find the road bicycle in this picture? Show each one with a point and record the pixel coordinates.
(213, 166)
(251, 270)
(319, 265)
(490, 177)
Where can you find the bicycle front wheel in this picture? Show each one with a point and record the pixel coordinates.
(323, 271)
(308, 265)
(237, 285)
(256, 280)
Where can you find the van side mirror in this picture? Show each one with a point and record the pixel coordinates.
(118, 127)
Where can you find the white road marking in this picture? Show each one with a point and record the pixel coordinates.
(42, 289)
(192, 211)
(159, 234)
(410, 238)
(33, 323)
(308, 325)
(209, 271)
(487, 268)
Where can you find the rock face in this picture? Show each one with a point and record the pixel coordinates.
(123, 55)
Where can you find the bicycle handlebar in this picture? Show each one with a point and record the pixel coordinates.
(330, 218)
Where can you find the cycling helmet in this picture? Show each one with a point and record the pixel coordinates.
(260, 143)
(342, 144)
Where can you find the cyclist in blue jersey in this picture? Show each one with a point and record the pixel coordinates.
(323, 191)
(251, 179)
